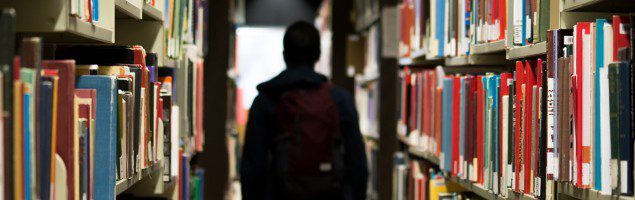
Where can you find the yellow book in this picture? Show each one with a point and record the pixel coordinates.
(18, 183)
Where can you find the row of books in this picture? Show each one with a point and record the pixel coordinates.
(448, 28)
(86, 10)
(567, 118)
(363, 56)
(91, 116)
(184, 23)
(414, 180)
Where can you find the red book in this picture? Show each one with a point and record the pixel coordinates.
(65, 118)
(480, 127)
(470, 117)
(456, 123)
(520, 81)
(582, 28)
(439, 114)
(425, 111)
(530, 80)
(621, 37)
(502, 19)
(199, 106)
(87, 112)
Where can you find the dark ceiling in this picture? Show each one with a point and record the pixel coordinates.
(279, 12)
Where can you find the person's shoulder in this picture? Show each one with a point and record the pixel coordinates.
(339, 94)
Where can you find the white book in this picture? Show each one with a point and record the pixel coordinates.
(587, 109)
(74, 7)
(433, 48)
(517, 20)
(605, 123)
(174, 141)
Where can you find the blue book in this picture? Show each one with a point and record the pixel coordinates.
(27, 76)
(599, 63)
(95, 10)
(45, 134)
(27, 149)
(440, 30)
(495, 86)
(524, 28)
(105, 132)
(486, 134)
(446, 127)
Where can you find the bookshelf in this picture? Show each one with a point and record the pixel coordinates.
(129, 9)
(488, 48)
(49, 20)
(532, 50)
(140, 32)
(366, 22)
(152, 12)
(598, 5)
(125, 184)
(477, 60)
(427, 51)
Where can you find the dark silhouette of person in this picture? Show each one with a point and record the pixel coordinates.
(257, 168)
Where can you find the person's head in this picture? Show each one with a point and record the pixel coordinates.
(301, 45)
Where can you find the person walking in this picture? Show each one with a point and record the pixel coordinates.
(302, 139)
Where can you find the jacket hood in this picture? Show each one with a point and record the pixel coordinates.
(292, 78)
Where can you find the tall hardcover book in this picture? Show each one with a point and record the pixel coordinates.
(447, 125)
(7, 17)
(625, 129)
(105, 131)
(47, 88)
(65, 122)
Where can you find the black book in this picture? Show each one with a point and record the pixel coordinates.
(510, 125)
(619, 78)
(7, 41)
(542, 137)
(45, 135)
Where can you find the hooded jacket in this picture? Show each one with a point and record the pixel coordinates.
(256, 173)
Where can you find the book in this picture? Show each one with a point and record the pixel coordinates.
(47, 88)
(105, 130)
(64, 141)
(86, 109)
(7, 41)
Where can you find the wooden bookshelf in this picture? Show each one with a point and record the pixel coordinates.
(569, 190)
(51, 21)
(486, 48)
(129, 9)
(598, 6)
(423, 155)
(477, 59)
(152, 13)
(366, 22)
(123, 185)
(531, 50)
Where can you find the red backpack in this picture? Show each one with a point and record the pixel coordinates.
(309, 146)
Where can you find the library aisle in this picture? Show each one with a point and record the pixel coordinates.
(453, 99)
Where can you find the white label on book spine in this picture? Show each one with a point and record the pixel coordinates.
(568, 40)
(622, 29)
(537, 181)
(623, 176)
(586, 172)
